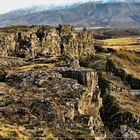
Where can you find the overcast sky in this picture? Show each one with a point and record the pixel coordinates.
(8, 5)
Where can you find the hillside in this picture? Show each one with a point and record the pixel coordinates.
(91, 14)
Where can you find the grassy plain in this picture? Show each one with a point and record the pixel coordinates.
(126, 43)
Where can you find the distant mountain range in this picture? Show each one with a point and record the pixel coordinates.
(107, 13)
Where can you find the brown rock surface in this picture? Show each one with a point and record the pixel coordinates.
(44, 93)
(46, 40)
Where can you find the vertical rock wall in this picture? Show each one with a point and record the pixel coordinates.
(47, 41)
(90, 102)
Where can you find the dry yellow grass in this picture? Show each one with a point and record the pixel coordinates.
(127, 43)
(35, 66)
(128, 102)
(20, 132)
(127, 47)
(13, 131)
(120, 41)
(128, 61)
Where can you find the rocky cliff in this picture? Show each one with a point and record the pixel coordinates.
(46, 40)
(40, 99)
(44, 91)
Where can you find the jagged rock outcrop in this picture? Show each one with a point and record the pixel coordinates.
(46, 40)
(46, 93)
(47, 100)
(90, 102)
(7, 43)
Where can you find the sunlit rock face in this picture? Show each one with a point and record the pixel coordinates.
(44, 92)
(54, 85)
(46, 40)
(54, 97)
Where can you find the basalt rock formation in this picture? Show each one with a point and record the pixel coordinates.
(45, 92)
(45, 40)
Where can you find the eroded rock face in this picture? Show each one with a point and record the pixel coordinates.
(47, 40)
(45, 93)
(45, 101)
(90, 102)
(7, 44)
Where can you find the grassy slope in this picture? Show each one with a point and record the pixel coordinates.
(129, 61)
(127, 43)
(121, 41)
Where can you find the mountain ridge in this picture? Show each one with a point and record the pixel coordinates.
(90, 14)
